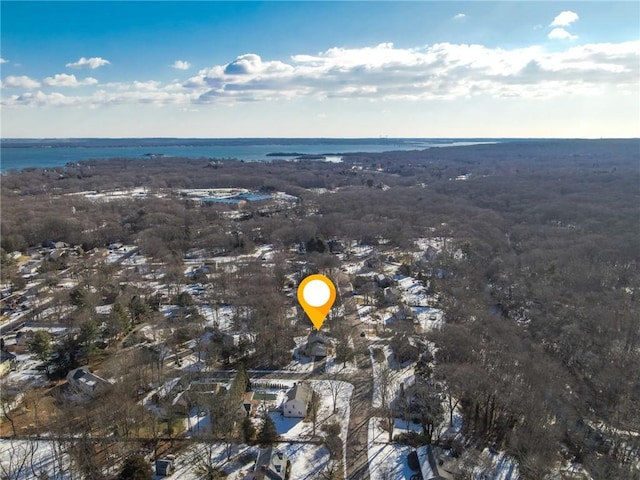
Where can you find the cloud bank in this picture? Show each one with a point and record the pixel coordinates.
(441, 71)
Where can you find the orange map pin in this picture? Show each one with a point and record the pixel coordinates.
(316, 294)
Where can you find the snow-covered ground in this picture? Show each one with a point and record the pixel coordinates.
(28, 371)
(331, 366)
(297, 428)
(428, 318)
(412, 291)
(399, 375)
(263, 252)
(387, 460)
(162, 392)
(352, 268)
(300, 362)
(27, 459)
(222, 316)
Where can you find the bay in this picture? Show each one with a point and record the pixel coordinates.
(18, 154)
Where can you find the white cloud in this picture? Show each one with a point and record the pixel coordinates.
(92, 63)
(181, 65)
(64, 80)
(382, 72)
(564, 19)
(40, 99)
(2, 60)
(561, 34)
(459, 16)
(20, 82)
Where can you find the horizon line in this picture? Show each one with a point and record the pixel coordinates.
(320, 138)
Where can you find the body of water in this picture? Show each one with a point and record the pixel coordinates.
(17, 154)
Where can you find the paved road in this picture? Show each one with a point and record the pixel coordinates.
(357, 459)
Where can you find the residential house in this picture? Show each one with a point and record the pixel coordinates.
(317, 345)
(336, 246)
(382, 281)
(248, 402)
(84, 381)
(7, 362)
(182, 403)
(298, 399)
(30, 268)
(271, 464)
(164, 467)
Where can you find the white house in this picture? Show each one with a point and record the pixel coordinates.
(298, 399)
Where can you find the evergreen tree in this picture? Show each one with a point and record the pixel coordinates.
(240, 384)
(316, 245)
(41, 345)
(135, 468)
(248, 430)
(118, 321)
(88, 335)
(138, 309)
(267, 434)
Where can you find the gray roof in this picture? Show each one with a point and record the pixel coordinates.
(302, 392)
(272, 463)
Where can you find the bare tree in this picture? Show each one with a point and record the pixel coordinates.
(207, 461)
(314, 406)
(17, 458)
(385, 386)
(8, 402)
(336, 387)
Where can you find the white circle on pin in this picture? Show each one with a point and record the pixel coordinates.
(316, 293)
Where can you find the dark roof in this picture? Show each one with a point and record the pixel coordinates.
(163, 467)
(317, 337)
(6, 356)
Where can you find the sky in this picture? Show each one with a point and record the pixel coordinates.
(320, 69)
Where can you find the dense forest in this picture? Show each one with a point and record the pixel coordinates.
(541, 346)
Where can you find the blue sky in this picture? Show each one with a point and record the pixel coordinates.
(313, 69)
